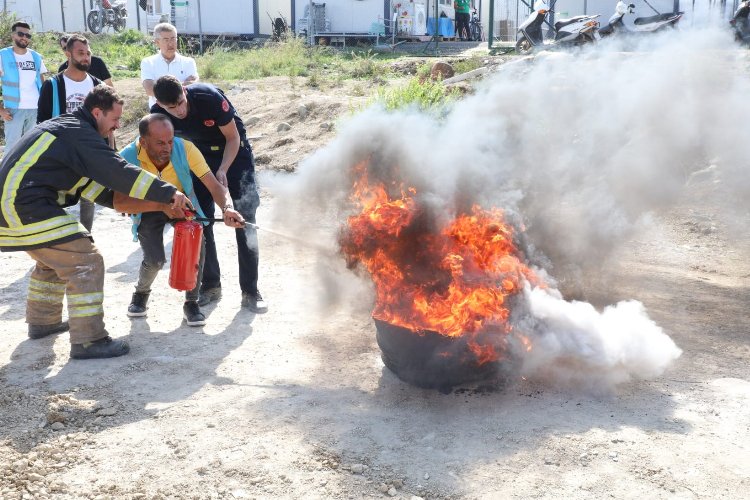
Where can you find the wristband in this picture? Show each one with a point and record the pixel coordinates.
(226, 207)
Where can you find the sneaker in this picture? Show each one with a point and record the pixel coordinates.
(193, 315)
(137, 307)
(254, 302)
(102, 348)
(41, 331)
(209, 295)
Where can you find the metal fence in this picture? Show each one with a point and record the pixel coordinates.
(504, 17)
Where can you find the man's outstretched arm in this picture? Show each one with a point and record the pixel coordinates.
(175, 210)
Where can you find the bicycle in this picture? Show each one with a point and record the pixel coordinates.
(475, 28)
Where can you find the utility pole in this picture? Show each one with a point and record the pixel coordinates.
(436, 32)
(62, 13)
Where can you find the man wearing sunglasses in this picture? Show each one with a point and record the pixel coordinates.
(21, 71)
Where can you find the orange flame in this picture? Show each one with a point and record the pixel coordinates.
(453, 278)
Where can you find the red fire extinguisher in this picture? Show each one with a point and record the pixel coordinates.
(186, 252)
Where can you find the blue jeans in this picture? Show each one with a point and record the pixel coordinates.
(23, 120)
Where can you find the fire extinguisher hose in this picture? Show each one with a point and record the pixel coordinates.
(218, 219)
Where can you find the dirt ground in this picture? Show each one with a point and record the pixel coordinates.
(296, 403)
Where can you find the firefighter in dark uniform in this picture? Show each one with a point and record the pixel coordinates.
(202, 114)
(50, 168)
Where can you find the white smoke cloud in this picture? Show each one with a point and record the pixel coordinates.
(581, 148)
(574, 345)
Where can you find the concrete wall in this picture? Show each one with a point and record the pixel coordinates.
(351, 16)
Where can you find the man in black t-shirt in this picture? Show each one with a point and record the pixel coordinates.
(97, 67)
(202, 114)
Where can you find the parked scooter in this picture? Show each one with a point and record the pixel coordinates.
(107, 13)
(568, 32)
(739, 23)
(641, 24)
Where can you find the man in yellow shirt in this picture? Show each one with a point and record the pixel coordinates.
(171, 160)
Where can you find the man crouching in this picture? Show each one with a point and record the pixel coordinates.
(172, 159)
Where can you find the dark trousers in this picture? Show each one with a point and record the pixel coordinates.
(244, 194)
(462, 25)
(151, 239)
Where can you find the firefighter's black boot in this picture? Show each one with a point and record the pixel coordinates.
(102, 348)
(41, 331)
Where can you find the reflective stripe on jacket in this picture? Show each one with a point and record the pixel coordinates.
(54, 165)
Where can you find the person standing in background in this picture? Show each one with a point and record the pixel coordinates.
(21, 71)
(98, 67)
(65, 92)
(463, 10)
(167, 62)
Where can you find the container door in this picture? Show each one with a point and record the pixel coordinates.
(270, 10)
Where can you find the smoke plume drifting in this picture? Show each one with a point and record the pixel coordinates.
(579, 149)
(573, 344)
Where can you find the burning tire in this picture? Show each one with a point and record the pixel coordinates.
(430, 360)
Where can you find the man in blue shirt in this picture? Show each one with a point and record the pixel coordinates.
(202, 114)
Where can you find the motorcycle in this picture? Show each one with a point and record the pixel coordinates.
(568, 32)
(651, 24)
(107, 13)
(739, 23)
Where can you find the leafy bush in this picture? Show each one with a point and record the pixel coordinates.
(133, 111)
(6, 21)
(466, 65)
(288, 57)
(123, 50)
(425, 95)
(131, 36)
(364, 64)
(423, 72)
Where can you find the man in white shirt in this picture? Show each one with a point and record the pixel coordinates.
(167, 62)
(21, 70)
